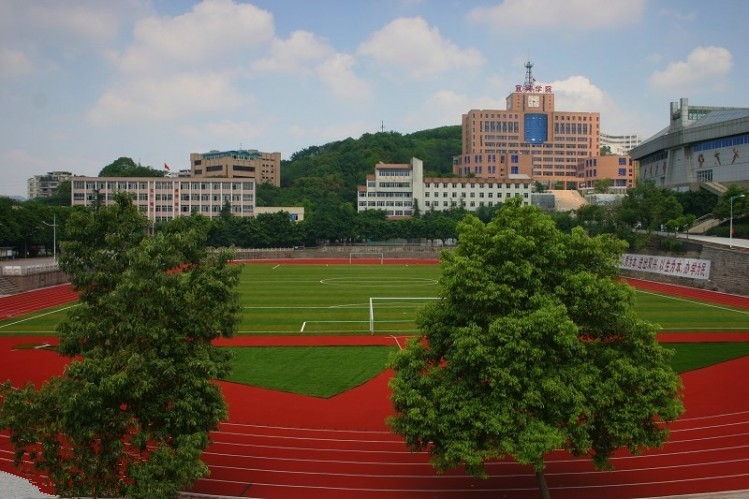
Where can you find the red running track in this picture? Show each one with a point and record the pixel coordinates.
(280, 445)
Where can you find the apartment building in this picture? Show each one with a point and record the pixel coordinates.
(398, 189)
(620, 144)
(165, 198)
(42, 186)
(619, 169)
(538, 140)
(263, 167)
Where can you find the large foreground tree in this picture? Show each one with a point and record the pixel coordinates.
(534, 346)
(130, 416)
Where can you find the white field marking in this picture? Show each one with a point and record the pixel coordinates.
(326, 307)
(289, 332)
(316, 439)
(315, 449)
(714, 416)
(702, 439)
(690, 329)
(274, 268)
(397, 342)
(452, 477)
(304, 324)
(475, 489)
(296, 428)
(745, 312)
(709, 427)
(375, 282)
(37, 316)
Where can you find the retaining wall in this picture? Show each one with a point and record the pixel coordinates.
(729, 268)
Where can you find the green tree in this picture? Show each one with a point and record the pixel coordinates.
(601, 186)
(534, 346)
(648, 207)
(130, 416)
(126, 167)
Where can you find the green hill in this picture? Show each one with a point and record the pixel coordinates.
(334, 170)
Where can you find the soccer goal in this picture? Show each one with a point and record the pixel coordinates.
(375, 299)
(366, 255)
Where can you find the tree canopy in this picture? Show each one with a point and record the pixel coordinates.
(130, 416)
(126, 167)
(534, 346)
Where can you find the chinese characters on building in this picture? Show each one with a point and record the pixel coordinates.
(667, 265)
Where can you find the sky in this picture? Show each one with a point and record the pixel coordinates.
(84, 82)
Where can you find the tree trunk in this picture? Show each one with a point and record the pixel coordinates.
(542, 487)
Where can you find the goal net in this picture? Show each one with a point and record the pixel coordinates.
(366, 255)
(397, 305)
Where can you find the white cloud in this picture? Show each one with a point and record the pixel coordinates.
(706, 68)
(213, 30)
(225, 132)
(577, 93)
(337, 74)
(14, 62)
(158, 99)
(92, 22)
(410, 46)
(585, 15)
(288, 55)
(446, 107)
(321, 134)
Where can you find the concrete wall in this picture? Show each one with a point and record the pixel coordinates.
(729, 269)
(33, 281)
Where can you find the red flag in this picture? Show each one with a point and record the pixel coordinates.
(166, 167)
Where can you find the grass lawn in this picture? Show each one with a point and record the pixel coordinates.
(691, 356)
(334, 299)
(317, 371)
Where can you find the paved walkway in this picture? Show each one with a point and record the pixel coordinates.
(723, 241)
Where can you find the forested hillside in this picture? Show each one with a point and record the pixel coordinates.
(332, 171)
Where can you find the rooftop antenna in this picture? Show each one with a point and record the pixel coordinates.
(529, 79)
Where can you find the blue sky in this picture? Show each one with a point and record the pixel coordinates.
(84, 82)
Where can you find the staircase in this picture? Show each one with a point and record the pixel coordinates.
(714, 187)
(704, 224)
(7, 287)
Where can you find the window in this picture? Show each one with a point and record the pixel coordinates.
(622, 172)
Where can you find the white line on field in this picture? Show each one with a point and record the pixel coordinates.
(746, 312)
(36, 316)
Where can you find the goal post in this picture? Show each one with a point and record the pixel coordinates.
(366, 254)
(374, 299)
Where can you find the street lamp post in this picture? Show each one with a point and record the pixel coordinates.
(730, 219)
(54, 236)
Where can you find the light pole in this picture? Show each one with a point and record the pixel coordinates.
(730, 222)
(54, 236)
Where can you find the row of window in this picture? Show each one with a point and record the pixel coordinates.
(571, 128)
(726, 142)
(621, 172)
(374, 194)
(472, 185)
(473, 194)
(393, 173)
(133, 186)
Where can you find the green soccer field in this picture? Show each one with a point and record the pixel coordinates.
(335, 299)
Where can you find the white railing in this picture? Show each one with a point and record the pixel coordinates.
(28, 269)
